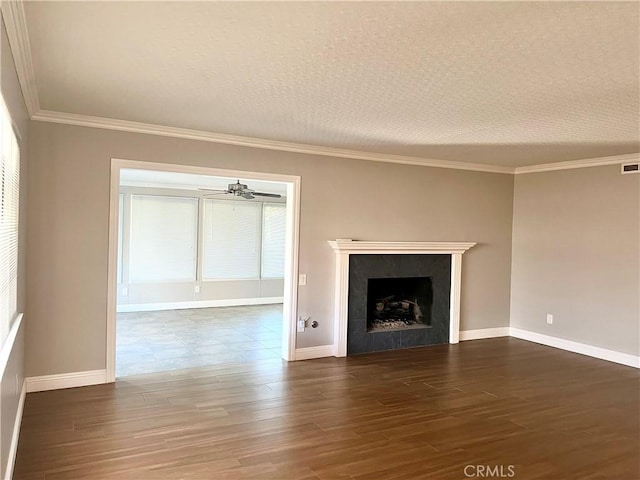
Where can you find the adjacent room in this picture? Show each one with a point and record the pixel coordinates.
(200, 274)
(319, 240)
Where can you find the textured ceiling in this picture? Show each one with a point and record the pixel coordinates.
(501, 83)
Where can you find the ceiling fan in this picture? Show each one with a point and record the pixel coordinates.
(240, 190)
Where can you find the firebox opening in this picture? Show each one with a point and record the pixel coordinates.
(399, 303)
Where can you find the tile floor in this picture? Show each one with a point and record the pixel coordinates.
(150, 342)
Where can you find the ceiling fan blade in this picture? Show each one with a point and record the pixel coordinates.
(270, 195)
(214, 190)
(238, 190)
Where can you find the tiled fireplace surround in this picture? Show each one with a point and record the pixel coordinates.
(357, 261)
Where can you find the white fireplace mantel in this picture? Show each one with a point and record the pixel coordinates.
(345, 247)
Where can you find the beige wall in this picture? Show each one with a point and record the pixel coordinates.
(68, 224)
(12, 373)
(576, 255)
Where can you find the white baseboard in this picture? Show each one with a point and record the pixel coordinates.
(95, 377)
(234, 302)
(315, 352)
(484, 333)
(575, 347)
(13, 448)
(65, 380)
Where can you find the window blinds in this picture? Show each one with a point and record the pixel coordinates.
(163, 239)
(231, 248)
(274, 222)
(9, 197)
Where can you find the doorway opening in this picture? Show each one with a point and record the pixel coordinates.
(199, 274)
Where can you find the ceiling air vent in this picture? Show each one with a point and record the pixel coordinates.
(630, 167)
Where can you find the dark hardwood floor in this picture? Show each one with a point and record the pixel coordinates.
(499, 408)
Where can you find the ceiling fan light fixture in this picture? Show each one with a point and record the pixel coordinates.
(237, 188)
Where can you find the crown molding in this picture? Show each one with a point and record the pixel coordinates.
(204, 136)
(16, 24)
(151, 129)
(586, 162)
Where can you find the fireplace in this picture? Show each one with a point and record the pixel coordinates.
(360, 263)
(398, 303)
(397, 295)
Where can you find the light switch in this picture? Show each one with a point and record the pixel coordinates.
(302, 280)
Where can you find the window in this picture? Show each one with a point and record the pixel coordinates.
(274, 223)
(9, 197)
(163, 239)
(166, 239)
(231, 239)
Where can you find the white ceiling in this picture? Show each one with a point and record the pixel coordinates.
(497, 83)
(190, 181)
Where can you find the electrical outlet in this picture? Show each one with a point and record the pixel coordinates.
(549, 319)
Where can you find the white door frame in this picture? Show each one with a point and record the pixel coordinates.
(290, 304)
